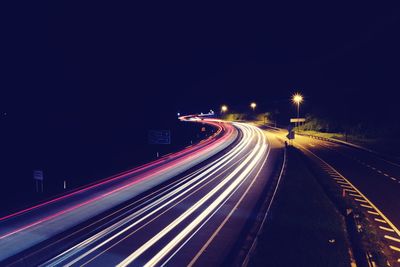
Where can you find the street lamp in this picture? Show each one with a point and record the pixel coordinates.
(253, 105)
(224, 109)
(297, 99)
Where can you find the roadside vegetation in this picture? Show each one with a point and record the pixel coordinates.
(380, 137)
(265, 118)
(383, 139)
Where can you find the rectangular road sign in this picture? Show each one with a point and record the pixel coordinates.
(159, 137)
(297, 120)
(38, 175)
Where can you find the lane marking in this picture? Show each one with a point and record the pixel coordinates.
(386, 229)
(354, 195)
(392, 238)
(372, 212)
(386, 220)
(338, 179)
(380, 220)
(351, 190)
(395, 248)
(366, 206)
(358, 191)
(361, 200)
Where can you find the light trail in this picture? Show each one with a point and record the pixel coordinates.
(113, 178)
(251, 160)
(223, 197)
(194, 182)
(136, 181)
(37, 217)
(160, 224)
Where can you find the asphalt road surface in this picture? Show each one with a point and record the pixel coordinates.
(189, 209)
(371, 180)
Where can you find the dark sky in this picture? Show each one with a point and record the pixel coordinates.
(62, 61)
(81, 83)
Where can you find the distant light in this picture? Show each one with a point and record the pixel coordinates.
(178, 114)
(224, 108)
(297, 98)
(253, 105)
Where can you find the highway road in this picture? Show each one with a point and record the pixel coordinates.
(190, 208)
(373, 182)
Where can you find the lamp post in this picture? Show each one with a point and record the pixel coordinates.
(297, 99)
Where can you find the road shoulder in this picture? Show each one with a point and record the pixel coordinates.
(304, 227)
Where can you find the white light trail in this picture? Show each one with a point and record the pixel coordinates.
(251, 160)
(214, 167)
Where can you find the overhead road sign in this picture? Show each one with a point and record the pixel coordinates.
(159, 137)
(38, 175)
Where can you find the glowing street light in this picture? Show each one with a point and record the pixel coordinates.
(297, 98)
(253, 105)
(224, 109)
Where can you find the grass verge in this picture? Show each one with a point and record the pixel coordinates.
(304, 227)
(385, 146)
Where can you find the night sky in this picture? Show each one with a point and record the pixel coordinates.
(86, 71)
(108, 58)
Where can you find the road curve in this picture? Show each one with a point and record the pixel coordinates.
(195, 218)
(29, 227)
